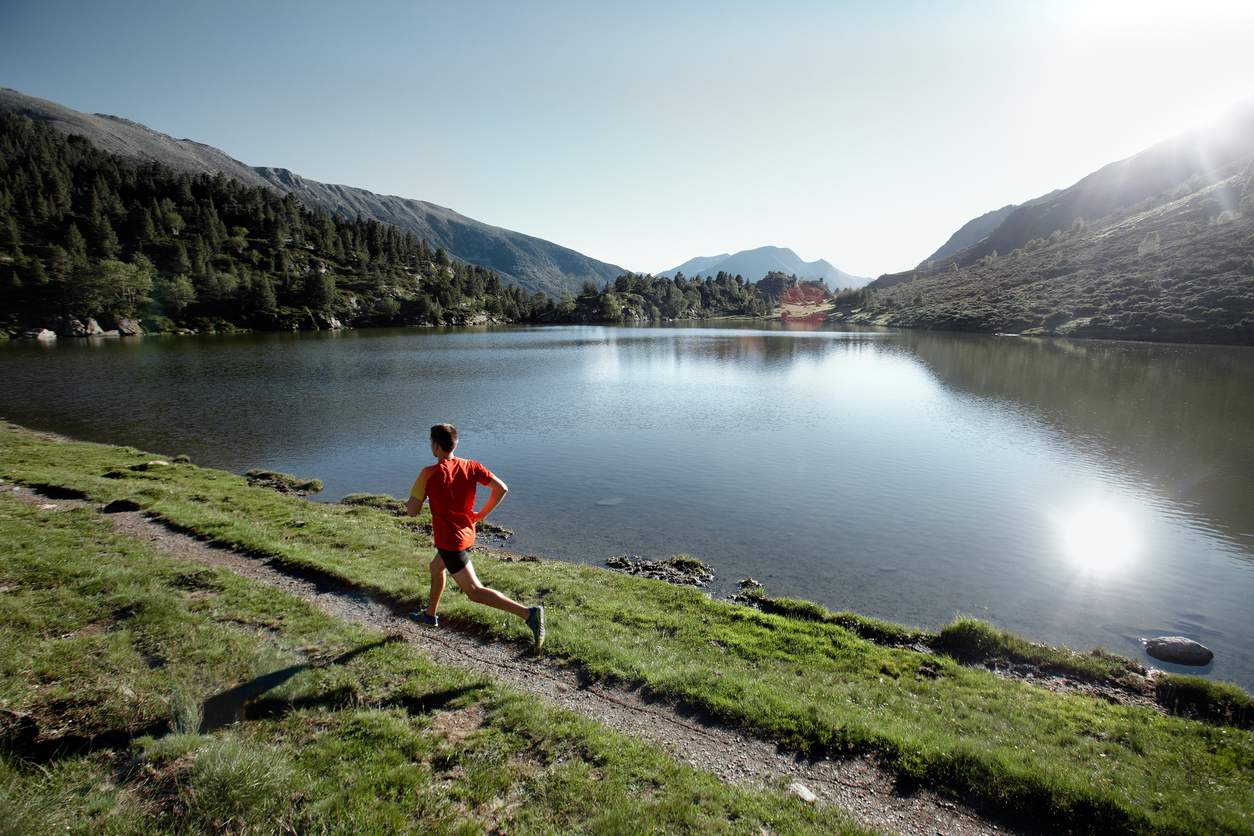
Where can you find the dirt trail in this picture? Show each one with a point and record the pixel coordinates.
(869, 793)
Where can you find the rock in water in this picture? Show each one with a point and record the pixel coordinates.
(129, 327)
(803, 792)
(1178, 649)
(70, 327)
(39, 334)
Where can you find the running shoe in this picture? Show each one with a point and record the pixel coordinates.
(423, 618)
(535, 620)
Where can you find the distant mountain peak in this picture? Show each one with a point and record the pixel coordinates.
(755, 263)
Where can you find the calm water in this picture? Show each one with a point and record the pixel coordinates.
(1085, 493)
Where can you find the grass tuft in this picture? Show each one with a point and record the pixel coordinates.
(377, 501)
(970, 640)
(1213, 702)
(283, 482)
(687, 563)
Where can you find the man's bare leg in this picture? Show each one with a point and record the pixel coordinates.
(480, 594)
(437, 585)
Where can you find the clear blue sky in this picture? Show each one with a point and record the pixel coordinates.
(648, 133)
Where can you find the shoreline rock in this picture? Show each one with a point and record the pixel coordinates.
(679, 569)
(42, 334)
(1180, 650)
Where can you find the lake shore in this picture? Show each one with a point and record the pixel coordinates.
(922, 706)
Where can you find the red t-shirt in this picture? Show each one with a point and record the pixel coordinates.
(451, 490)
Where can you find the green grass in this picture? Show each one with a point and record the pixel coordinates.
(116, 660)
(1219, 702)
(811, 683)
(971, 640)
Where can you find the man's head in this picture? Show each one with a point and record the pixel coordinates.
(443, 439)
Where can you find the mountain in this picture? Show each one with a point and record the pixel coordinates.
(972, 232)
(532, 263)
(1178, 165)
(754, 264)
(91, 240)
(1159, 246)
(699, 266)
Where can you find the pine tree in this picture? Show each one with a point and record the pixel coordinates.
(75, 244)
(181, 263)
(10, 238)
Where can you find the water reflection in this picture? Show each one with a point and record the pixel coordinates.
(1177, 417)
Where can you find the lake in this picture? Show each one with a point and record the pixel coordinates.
(1077, 492)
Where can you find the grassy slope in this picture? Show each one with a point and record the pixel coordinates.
(811, 683)
(100, 637)
(1180, 270)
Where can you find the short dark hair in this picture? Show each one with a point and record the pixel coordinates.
(444, 435)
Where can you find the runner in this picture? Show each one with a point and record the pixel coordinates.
(450, 485)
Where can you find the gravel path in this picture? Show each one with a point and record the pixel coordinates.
(867, 792)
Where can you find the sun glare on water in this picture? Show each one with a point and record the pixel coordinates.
(1099, 536)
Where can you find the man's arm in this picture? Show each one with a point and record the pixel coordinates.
(499, 489)
(417, 495)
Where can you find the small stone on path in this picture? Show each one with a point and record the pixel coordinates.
(48, 506)
(803, 792)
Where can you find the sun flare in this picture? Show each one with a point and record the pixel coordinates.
(1099, 536)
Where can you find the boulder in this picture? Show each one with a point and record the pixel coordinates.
(70, 327)
(92, 327)
(326, 322)
(39, 334)
(803, 792)
(129, 327)
(1178, 649)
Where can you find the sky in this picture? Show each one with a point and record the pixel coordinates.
(645, 134)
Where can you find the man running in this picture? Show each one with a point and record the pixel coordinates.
(450, 485)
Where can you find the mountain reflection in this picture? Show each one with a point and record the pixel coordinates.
(1179, 417)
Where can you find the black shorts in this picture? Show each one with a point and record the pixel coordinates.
(454, 562)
